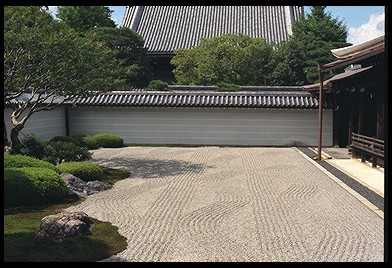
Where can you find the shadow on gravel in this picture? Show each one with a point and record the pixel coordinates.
(147, 168)
(114, 259)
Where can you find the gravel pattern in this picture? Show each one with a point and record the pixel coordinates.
(218, 204)
(370, 195)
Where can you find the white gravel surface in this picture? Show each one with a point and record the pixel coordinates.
(232, 204)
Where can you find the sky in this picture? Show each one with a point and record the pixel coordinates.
(363, 22)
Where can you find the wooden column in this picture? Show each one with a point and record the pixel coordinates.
(360, 113)
(350, 119)
(321, 78)
(380, 120)
(336, 122)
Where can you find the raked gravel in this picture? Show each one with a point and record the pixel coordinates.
(218, 204)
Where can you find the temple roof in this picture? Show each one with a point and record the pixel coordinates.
(165, 28)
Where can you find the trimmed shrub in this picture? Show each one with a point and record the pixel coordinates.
(32, 186)
(31, 145)
(157, 85)
(66, 139)
(19, 161)
(227, 87)
(87, 141)
(108, 140)
(59, 151)
(86, 171)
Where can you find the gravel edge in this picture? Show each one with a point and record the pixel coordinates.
(371, 196)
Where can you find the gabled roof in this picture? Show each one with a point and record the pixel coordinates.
(165, 28)
(202, 96)
(349, 55)
(356, 53)
(327, 84)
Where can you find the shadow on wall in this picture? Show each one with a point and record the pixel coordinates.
(151, 168)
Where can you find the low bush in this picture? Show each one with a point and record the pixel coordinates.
(18, 161)
(31, 145)
(87, 141)
(59, 151)
(66, 139)
(86, 171)
(157, 85)
(32, 186)
(227, 87)
(108, 140)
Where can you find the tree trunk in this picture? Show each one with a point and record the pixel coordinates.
(15, 142)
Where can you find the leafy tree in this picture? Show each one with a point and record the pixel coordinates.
(47, 63)
(289, 61)
(232, 58)
(313, 38)
(128, 48)
(83, 18)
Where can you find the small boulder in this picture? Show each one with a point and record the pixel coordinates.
(63, 225)
(75, 186)
(81, 188)
(97, 186)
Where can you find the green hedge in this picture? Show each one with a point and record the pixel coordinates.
(60, 151)
(32, 145)
(157, 85)
(18, 161)
(86, 141)
(227, 87)
(108, 140)
(86, 171)
(66, 139)
(32, 186)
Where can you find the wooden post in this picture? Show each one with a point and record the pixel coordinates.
(321, 76)
(360, 114)
(380, 116)
(66, 115)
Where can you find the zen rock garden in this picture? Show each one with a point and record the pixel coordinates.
(69, 224)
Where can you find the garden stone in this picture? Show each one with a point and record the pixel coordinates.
(64, 225)
(75, 186)
(81, 188)
(97, 186)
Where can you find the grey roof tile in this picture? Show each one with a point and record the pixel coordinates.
(165, 28)
(200, 96)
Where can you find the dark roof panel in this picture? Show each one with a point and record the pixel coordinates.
(165, 28)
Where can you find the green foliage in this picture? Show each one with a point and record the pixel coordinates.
(32, 185)
(59, 151)
(87, 141)
(227, 87)
(130, 52)
(66, 139)
(86, 171)
(157, 85)
(38, 48)
(18, 161)
(108, 140)
(289, 61)
(313, 38)
(45, 57)
(232, 58)
(83, 18)
(31, 145)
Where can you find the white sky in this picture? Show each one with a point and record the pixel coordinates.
(373, 28)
